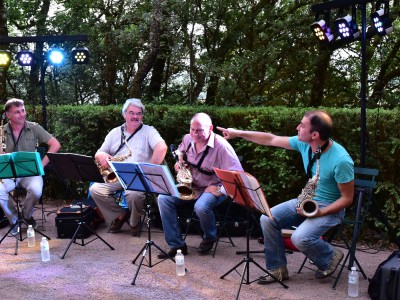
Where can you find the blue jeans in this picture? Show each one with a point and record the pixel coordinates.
(306, 237)
(204, 210)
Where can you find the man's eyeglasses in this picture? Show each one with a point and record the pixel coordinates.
(132, 113)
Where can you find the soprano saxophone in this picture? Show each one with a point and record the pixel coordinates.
(305, 202)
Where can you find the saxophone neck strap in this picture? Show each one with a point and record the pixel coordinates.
(123, 137)
(316, 156)
(198, 166)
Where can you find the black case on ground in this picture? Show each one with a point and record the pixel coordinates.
(68, 218)
(390, 279)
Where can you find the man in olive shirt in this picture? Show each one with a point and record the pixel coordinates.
(22, 135)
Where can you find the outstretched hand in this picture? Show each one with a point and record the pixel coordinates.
(228, 133)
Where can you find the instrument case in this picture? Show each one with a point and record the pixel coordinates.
(68, 219)
(390, 279)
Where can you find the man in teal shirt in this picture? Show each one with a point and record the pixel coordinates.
(333, 193)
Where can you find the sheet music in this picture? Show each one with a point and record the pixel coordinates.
(244, 189)
(255, 191)
(156, 175)
(145, 177)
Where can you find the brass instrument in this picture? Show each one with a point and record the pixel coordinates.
(184, 178)
(2, 136)
(308, 206)
(108, 175)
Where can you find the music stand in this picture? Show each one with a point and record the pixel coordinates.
(79, 168)
(16, 165)
(150, 179)
(245, 190)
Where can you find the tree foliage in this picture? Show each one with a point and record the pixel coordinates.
(228, 52)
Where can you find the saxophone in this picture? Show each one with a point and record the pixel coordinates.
(108, 175)
(184, 178)
(2, 136)
(305, 202)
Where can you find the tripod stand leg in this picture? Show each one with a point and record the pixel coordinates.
(144, 250)
(73, 239)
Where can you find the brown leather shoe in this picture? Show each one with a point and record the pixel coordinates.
(172, 252)
(135, 230)
(117, 224)
(205, 246)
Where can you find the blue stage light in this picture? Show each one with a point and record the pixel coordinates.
(26, 58)
(56, 56)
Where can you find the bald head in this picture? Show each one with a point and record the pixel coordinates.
(202, 118)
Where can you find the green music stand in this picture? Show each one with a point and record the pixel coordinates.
(16, 165)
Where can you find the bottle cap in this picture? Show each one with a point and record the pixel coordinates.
(179, 251)
(353, 268)
(29, 226)
(44, 239)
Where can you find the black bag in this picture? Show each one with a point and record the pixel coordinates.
(385, 284)
(3, 220)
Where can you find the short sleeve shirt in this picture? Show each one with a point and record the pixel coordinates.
(336, 166)
(31, 135)
(141, 144)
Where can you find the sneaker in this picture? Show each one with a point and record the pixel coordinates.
(172, 252)
(32, 222)
(280, 274)
(205, 246)
(336, 259)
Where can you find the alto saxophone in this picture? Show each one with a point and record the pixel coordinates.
(108, 175)
(184, 178)
(305, 202)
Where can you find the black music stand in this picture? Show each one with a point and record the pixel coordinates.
(16, 165)
(150, 179)
(79, 168)
(245, 190)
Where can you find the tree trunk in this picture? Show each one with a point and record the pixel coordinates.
(151, 55)
(320, 75)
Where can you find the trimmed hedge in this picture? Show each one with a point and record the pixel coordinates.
(81, 129)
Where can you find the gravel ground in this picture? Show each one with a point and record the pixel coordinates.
(94, 271)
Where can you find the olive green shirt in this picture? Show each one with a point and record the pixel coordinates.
(31, 135)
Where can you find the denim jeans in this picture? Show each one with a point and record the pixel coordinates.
(204, 210)
(306, 237)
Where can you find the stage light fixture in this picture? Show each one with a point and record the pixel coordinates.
(80, 55)
(347, 28)
(56, 56)
(26, 58)
(322, 31)
(381, 22)
(5, 58)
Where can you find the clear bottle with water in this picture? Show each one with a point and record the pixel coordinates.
(45, 249)
(353, 283)
(180, 263)
(31, 236)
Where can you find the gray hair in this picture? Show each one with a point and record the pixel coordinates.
(132, 101)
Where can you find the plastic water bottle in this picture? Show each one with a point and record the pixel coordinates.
(45, 249)
(31, 236)
(353, 283)
(180, 263)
